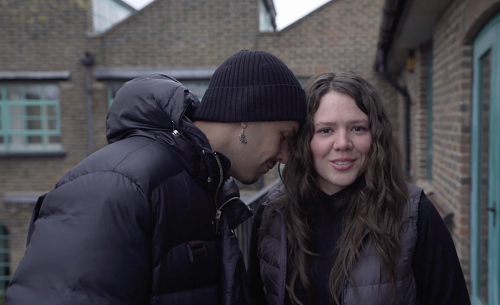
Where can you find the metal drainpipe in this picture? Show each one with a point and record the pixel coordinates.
(87, 61)
(407, 102)
(392, 11)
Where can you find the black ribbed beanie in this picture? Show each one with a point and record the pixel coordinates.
(252, 86)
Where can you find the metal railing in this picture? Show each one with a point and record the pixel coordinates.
(244, 230)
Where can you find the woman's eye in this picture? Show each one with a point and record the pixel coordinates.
(358, 128)
(324, 130)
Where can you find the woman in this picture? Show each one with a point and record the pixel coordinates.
(344, 228)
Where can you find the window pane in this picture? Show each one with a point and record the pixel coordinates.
(50, 110)
(198, 87)
(193, 87)
(14, 93)
(50, 92)
(35, 124)
(16, 142)
(16, 111)
(33, 92)
(484, 179)
(16, 118)
(34, 139)
(54, 139)
(302, 80)
(52, 124)
(16, 124)
(33, 110)
(114, 89)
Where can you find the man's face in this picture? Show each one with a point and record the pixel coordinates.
(267, 145)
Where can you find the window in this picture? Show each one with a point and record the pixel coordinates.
(430, 73)
(266, 24)
(302, 80)
(197, 87)
(29, 118)
(112, 89)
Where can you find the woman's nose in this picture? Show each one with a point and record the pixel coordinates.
(342, 141)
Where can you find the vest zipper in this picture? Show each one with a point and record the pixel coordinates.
(360, 243)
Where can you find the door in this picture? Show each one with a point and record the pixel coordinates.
(485, 167)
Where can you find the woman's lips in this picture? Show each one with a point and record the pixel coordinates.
(342, 164)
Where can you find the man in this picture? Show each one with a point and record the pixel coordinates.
(148, 219)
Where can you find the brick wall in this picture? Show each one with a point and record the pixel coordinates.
(181, 34)
(340, 36)
(452, 99)
(451, 126)
(43, 36)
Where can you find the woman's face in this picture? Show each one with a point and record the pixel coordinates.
(341, 142)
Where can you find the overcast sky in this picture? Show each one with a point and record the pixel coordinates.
(288, 11)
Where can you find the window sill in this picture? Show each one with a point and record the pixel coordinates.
(41, 154)
(21, 198)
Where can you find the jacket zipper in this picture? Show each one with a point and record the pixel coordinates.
(284, 247)
(218, 211)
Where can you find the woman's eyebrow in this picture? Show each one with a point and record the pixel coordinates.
(362, 121)
(358, 121)
(324, 124)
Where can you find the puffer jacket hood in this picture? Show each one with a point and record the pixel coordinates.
(148, 105)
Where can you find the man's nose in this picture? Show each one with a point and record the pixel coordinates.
(282, 156)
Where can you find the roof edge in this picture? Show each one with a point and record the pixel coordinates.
(119, 24)
(308, 15)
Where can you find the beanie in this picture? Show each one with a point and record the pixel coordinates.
(252, 86)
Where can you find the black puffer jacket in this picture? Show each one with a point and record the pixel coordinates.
(135, 222)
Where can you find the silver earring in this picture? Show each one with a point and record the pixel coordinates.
(242, 137)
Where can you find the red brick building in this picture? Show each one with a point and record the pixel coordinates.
(445, 54)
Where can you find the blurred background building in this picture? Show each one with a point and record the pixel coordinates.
(445, 56)
(434, 63)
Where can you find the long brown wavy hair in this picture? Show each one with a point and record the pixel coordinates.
(377, 202)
